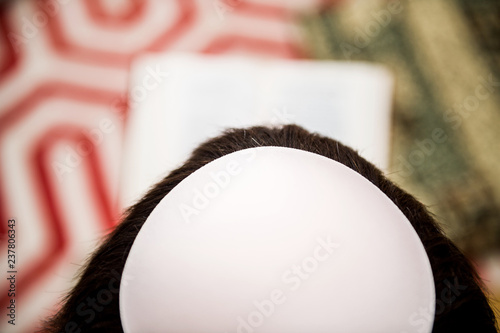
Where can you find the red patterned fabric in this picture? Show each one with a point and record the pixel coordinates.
(64, 67)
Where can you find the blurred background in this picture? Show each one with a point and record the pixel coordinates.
(65, 111)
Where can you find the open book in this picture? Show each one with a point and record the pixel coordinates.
(179, 101)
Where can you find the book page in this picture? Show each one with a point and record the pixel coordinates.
(201, 96)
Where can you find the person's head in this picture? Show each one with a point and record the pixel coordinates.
(461, 305)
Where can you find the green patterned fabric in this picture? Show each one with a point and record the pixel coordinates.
(445, 56)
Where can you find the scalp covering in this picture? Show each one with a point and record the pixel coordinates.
(276, 240)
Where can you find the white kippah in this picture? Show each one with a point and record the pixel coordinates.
(276, 240)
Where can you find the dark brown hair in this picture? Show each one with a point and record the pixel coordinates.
(92, 305)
